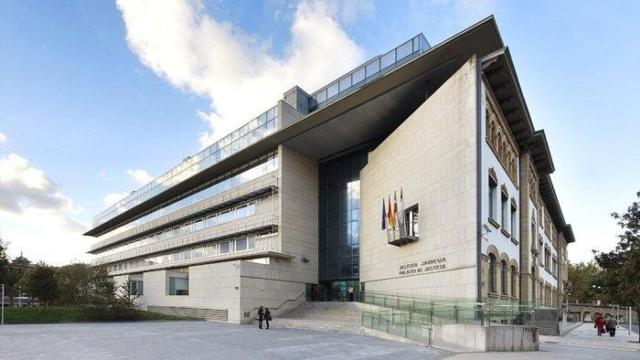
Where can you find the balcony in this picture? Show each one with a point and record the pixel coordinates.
(263, 221)
(262, 246)
(403, 234)
(252, 189)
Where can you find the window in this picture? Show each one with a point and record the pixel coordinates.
(212, 220)
(514, 281)
(178, 282)
(503, 277)
(492, 273)
(493, 197)
(225, 247)
(505, 211)
(547, 262)
(241, 244)
(136, 287)
(241, 211)
(411, 219)
(198, 225)
(514, 219)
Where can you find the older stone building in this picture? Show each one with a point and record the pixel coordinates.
(420, 172)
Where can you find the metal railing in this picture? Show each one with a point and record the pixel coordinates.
(369, 71)
(254, 130)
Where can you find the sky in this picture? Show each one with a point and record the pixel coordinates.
(97, 98)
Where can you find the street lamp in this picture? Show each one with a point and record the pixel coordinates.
(2, 311)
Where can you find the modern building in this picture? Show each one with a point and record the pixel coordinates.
(419, 172)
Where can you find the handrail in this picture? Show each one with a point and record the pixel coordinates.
(280, 305)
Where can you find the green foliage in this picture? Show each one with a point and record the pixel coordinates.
(621, 266)
(4, 263)
(56, 314)
(582, 277)
(41, 284)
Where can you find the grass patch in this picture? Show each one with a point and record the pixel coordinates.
(60, 314)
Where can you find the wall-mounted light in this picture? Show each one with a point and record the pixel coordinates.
(305, 260)
(486, 228)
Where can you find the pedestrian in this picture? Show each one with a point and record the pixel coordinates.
(314, 292)
(611, 324)
(267, 316)
(599, 324)
(260, 316)
(350, 291)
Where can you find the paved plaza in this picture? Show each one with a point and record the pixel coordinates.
(210, 340)
(193, 340)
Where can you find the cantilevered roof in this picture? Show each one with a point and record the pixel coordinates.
(349, 120)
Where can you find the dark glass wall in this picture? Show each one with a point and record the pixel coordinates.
(339, 212)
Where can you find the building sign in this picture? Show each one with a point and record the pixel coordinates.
(423, 267)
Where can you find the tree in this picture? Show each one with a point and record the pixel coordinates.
(72, 279)
(582, 277)
(41, 284)
(17, 272)
(4, 263)
(621, 266)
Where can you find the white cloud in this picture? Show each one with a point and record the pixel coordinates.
(112, 198)
(141, 177)
(36, 217)
(194, 52)
(3, 138)
(23, 186)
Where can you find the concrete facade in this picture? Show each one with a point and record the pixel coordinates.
(431, 157)
(449, 134)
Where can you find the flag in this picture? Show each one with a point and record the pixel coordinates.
(395, 209)
(392, 223)
(401, 220)
(384, 217)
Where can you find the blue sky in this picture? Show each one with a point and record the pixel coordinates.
(97, 97)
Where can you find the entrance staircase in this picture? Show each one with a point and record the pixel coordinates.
(547, 321)
(327, 316)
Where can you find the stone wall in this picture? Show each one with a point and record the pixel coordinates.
(432, 157)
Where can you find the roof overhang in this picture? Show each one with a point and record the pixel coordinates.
(481, 39)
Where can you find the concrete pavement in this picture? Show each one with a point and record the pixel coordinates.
(193, 340)
(582, 343)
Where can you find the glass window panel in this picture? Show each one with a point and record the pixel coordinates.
(241, 211)
(186, 255)
(321, 96)
(404, 50)
(198, 225)
(241, 244)
(332, 90)
(358, 76)
(225, 247)
(345, 83)
(212, 221)
(388, 59)
(373, 67)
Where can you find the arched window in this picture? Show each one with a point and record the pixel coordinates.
(514, 281)
(492, 273)
(503, 277)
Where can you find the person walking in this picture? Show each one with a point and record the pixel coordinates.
(599, 324)
(260, 316)
(267, 316)
(350, 291)
(611, 324)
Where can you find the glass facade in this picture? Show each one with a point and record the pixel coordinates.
(372, 69)
(239, 139)
(339, 221)
(256, 168)
(187, 227)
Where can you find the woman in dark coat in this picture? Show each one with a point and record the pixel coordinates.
(260, 317)
(267, 316)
